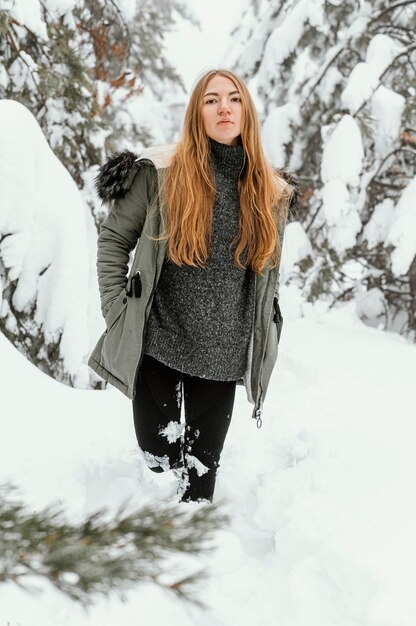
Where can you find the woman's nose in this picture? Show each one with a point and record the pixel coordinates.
(224, 107)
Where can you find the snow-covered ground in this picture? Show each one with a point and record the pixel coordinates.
(321, 497)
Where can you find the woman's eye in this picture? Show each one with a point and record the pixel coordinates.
(233, 99)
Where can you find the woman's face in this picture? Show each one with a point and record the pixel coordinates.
(222, 110)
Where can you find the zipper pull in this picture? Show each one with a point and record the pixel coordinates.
(257, 413)
(137, 285)
(257, 416)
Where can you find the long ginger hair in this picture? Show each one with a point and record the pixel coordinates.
(189, 191)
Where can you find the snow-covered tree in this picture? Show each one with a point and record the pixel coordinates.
(335, 84)
(49, 301)
(92, 72)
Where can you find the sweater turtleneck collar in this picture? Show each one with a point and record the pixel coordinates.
(226, 159)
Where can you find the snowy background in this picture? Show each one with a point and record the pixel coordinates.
(320, 498)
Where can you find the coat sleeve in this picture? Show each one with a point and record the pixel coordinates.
(120, 232)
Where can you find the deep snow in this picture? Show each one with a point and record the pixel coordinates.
(321, 497)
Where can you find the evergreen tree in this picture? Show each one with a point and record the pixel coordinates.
(337, 83)
(103, 554)
(77, 70)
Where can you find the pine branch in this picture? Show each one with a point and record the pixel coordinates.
(392, 7)
(103, 555)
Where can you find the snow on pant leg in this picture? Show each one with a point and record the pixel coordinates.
(208, 410)
(157, 411)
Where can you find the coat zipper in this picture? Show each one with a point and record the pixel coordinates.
(151, 294)
(257, 411)
(258, 406)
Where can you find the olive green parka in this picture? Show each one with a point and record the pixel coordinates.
(128, 183)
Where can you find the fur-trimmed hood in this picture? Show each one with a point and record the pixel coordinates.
(116, 174)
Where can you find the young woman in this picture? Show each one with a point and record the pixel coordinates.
(198, 311)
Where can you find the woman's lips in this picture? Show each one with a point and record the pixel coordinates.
(225, 122)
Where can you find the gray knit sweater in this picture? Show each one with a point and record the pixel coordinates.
(200, 321)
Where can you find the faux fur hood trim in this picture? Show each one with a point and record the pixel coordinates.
(116, 175)
(294, 182)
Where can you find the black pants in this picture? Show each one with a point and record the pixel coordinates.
(166, 442)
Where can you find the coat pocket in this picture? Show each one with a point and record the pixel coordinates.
(271, 348)
(116, 309)
(113, 352)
